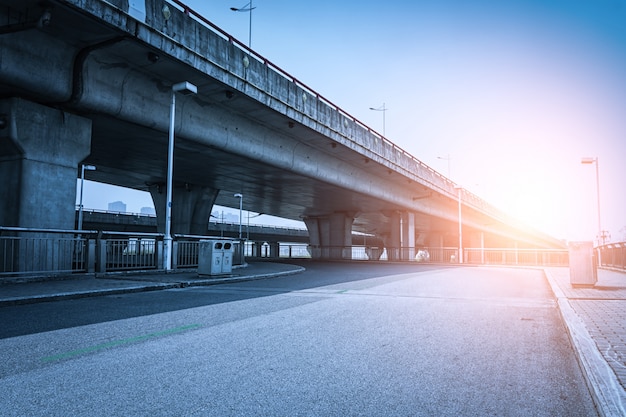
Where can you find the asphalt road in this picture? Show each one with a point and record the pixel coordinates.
(337, 340)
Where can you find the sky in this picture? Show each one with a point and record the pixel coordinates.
(504, 97)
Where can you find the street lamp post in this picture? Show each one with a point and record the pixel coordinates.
(384, 110)
(247, 8)
(83, 168)
(447, 158)
(240, 197)
(591, 160)
(184, 88)
(459, 189)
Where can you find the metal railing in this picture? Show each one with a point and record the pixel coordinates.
(49, 252)
(25, 251)
(441, 255)
(612, 255)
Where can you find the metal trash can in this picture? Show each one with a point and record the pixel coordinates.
(210, 257)
(227, 257)
(582, 267)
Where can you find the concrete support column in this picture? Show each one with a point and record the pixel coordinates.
(40, 151)
(408, 236)
(191, 208)
(393, 243)
(330, 236)
(274, 249)
(436, 248)
(257, 247)
(475, 252)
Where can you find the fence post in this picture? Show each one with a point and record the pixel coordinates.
(174, 255)
(159, 254)
(101, 260)
(91, 256)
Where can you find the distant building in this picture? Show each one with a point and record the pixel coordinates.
(118, 206)
(148, 211)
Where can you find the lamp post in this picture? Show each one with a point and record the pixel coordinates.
(184, 88)
(447, 158)
(240, 197)
(247, 8)
(83, 168)
(384, 110)
(459, 189)
(591, 160)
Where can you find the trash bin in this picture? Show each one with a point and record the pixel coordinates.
(227, 259)
(582, 268)
(210, 257)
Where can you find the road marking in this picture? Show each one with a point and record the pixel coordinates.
(121, 342)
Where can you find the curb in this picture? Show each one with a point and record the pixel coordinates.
(150, 286)
(601, 380)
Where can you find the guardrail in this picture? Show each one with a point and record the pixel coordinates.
(440, 255)
(36, 252)
(25, 251)
(612, 255)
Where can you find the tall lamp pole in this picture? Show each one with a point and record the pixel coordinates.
(83, 168)
(447, 158)
(247, 8)
(592, 160)
(459, 189)
(184, 88)
(240, 197)
(384, 110)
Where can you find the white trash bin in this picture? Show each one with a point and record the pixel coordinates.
(210, 257)
(582, 267)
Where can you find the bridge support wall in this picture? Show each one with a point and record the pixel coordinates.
(408, 236)
(191, 208)
(40, 151)
(330, 236)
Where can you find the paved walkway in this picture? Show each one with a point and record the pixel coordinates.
(595, 317)
(596, 321)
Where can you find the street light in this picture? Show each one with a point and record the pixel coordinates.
(185, 88)
(384, 110)
(240, 197)
(602, 234)
(459, 188)
(446, 158)
(83, 168)
(247, 8)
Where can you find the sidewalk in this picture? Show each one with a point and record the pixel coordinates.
(90, 286)
(596, 320)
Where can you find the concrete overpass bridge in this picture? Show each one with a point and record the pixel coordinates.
(90, 82)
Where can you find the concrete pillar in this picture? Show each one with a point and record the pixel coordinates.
(191, 208)
(330, 237)
(40, 151)
(436, 248)
(393, 243)
(274, 249)
(477, 245)
(257, 247)
(408, 236)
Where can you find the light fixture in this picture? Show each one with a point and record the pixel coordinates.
(184, 88)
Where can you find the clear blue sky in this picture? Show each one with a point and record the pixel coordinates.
(515, 92)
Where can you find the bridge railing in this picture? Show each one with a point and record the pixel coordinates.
(439, 255)
(51, 252)
(612, 255)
